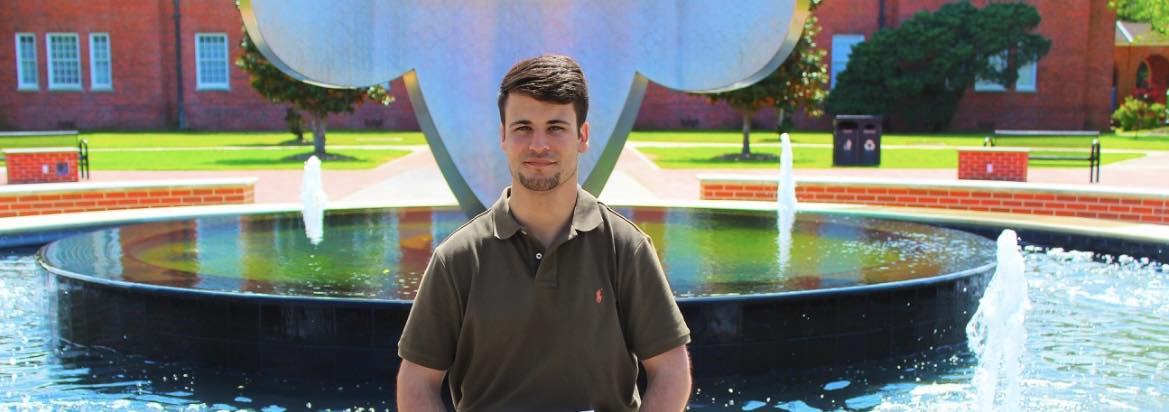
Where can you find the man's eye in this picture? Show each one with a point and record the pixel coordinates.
(555, 129)
(524, 129)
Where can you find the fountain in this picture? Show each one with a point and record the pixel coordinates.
(249, 292)
(313, 200)
(786, 201)
(996, 332)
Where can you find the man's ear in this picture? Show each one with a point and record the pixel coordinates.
(502, 135)
(584, 138)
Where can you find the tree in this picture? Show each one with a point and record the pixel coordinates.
(318, 102)
(1155, 12)
(800, 82)
(916, 73)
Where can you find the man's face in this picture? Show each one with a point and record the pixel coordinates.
(541, 142)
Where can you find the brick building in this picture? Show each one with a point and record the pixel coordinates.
(105, 64)
(1142, 62)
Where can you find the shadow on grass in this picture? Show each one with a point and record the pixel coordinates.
(286, 143)
(297, 158)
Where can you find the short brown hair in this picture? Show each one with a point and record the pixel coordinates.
(549, 78)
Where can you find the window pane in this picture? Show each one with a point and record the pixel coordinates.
(999, 61)
(100, 67)
(64, 60)
(842, 45)
(212, 60)
(26, 60)
(1027, 77)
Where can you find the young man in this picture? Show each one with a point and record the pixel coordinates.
(548, 300)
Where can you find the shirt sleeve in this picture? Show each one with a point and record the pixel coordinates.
(653, 324)
(432, 329)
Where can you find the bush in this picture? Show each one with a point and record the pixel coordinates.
(1137, 114)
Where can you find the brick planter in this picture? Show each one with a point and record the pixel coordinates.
(1131, 205)
(41, 199)
(990, 163)
(41, 165)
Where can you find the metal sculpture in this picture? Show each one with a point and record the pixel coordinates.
(452, 54)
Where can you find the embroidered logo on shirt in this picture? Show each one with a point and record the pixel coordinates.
(600, 296)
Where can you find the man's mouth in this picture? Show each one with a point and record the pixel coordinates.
(538, 163)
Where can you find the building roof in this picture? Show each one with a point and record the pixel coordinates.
(1139, 34)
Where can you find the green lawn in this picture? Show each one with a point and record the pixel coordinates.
(821, 158)
(1124, 140)
(234, 159)
(121, 140)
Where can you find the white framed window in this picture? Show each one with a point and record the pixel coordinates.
(26, 62)
(842, 45)
(1025, 82)
(100, 76)
(1028, 78)
(999, 61)
(64, 54)
(211, 68)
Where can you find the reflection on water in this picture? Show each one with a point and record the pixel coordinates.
(1098, 340)
(382, 253)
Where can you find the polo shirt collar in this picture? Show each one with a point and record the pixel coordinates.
(586, 215)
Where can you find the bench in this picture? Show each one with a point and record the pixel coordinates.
(1092, 156)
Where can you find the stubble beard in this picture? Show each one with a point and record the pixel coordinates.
(542, 184)
(539, 184)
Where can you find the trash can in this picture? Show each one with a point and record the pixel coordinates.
(856, 140)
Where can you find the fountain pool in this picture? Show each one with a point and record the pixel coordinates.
(1072, 358)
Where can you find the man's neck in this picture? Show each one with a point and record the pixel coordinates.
(544, 215)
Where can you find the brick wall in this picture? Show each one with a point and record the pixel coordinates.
(58, 198)
(1074, 80)
(144, 95)
(41, 165)
(1026, 199)
(992, 164)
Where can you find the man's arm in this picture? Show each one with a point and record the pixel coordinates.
(668, 386)
(419, 388)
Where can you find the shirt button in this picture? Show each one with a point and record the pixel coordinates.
(539, 256)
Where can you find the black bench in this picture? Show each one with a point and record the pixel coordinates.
(1092, 156)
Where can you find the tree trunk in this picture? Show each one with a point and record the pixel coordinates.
(319, 125)
(779, 125)
(746, 153)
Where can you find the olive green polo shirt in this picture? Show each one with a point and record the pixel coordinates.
(518, 327)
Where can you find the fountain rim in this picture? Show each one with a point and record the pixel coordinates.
(1139, 232)
(287, 208)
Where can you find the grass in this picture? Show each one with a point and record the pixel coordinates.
(235, 159)
(1144, 140)
(163, 139)
(821, 158)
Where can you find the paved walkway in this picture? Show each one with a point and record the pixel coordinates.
(416, 177)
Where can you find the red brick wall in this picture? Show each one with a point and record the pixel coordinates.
(1074, 80)
(143, 72)
(992, 165)
(41, 167)
(1097, 205)
(70, 201)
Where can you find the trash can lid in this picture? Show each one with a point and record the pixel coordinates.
(857, 117)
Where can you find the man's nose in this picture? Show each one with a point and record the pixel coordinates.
(539, 142)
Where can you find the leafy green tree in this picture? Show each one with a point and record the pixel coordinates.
(916, 74)
(1155, 12)
(318, 102)
(800, 82)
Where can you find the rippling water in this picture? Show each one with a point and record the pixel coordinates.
(1099, 340)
